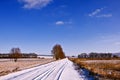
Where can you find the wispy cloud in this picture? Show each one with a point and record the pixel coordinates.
(59, 23)
(35, 4)
(63, 22)
(94, 13)
(98, 13)
(104, 15)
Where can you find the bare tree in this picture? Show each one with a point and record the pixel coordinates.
(57, 52)
(15, 53)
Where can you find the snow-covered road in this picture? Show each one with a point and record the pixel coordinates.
(57, 70)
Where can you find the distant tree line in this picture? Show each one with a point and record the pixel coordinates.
(57, 52)
(97, 55)
(15, 53)
(23, 55)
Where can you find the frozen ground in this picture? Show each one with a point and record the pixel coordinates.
(57, 70)
(8, 66)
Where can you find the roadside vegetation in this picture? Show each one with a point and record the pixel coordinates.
(102, 65)
(102, 68)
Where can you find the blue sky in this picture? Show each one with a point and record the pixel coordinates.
(78, 25)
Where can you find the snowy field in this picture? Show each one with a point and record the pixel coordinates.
(57, 70)
(8, 66)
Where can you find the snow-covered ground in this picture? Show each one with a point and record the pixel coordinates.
(2, 60)
(57, 70)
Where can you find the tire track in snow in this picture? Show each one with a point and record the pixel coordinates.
(49, 75)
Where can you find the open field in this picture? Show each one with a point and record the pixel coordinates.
(58, 70)
(105, 69)
(8, 66)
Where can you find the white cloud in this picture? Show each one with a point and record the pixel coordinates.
(105, 15)
(35, 4)
(95, 12)
(98, 13)
(63, 22)
(59, 23)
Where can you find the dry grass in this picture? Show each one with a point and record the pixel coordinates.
(8, 66)
(105, 68)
